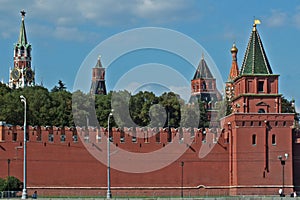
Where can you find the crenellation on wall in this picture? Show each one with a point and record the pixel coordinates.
(129, 136)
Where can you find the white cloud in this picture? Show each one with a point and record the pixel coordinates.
(72, 16)
(161, 11)
(277, 18)
(68, 33)
(296, 20)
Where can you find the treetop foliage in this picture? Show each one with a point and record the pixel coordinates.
(59, 107)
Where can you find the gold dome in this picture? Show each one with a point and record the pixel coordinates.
(234, 49)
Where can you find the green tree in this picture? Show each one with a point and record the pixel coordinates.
(223, 108)
(140, 106)
(171, 102)
(190, 115)
(289, 107)
(11, 108)
(60, 87)
(103, 108)
(4, 89)
(39, 105)
(61, 110)
(10, 183)
(120, 103)
(83, 108)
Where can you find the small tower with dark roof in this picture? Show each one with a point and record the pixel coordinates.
(204, 89)
(203, 84)
(22, 74)
(98, 79)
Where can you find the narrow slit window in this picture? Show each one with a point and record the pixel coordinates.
(254, 139)
(273, 139)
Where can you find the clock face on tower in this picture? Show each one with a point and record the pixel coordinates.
(15, 74)
(29, 75)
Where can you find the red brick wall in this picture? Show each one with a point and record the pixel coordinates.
(54, 165)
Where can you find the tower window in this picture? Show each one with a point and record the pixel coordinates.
(260, 86)
(261, 110)
(259, 123)
(253, 139)
(273, 139)
(14, 137)
(204, 85)
(22, 50)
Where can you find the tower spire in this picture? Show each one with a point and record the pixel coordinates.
(22, 37)
(234, 71)
(255, 59)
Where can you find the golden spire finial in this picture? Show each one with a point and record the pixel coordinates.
(256, 21)
(234, 49)
(202, 56)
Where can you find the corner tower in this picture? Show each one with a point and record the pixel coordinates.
(22, 75)
(256, 131)
(98, 79)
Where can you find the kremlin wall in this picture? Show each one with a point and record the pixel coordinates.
(238, 156)
(59, 163)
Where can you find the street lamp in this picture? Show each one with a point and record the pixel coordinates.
(8, 162)
(282, 162)
(24, 192)
(108, 194)
(182, 164)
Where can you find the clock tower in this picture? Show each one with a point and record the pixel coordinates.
(22, 75)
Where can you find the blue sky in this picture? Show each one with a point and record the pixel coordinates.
(64, 32)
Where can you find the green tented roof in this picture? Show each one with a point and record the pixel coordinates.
(22, 37)
(255, 59)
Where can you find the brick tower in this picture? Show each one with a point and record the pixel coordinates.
(98, 79)
(234, 72)
(257, 132)
(204, 88)
(22, 75)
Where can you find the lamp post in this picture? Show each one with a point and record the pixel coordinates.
(182, 164)
(282, 162)
(24, 192)
(108, 194)
(8, 162)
